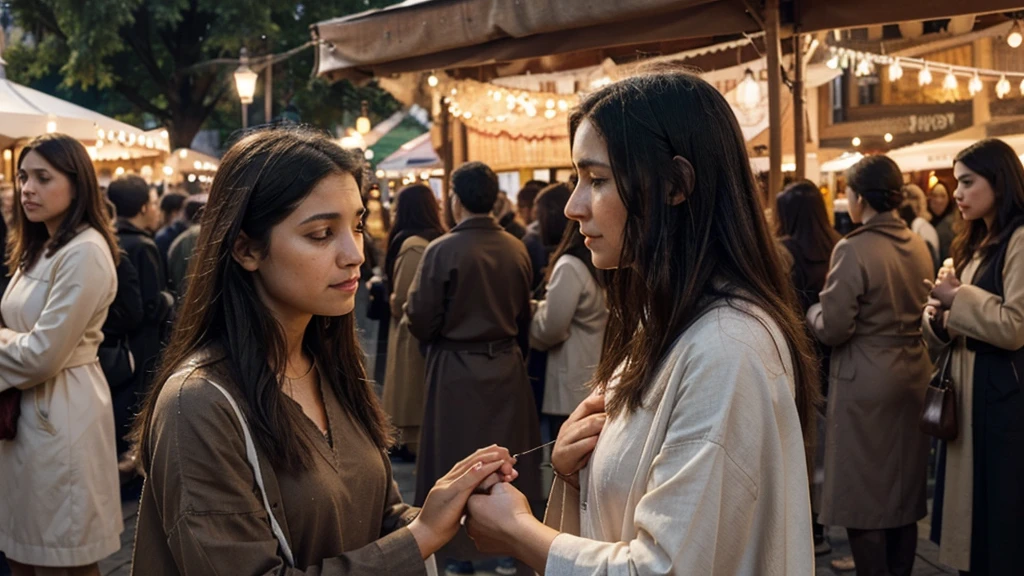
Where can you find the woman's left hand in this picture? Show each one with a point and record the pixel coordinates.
(492, 518)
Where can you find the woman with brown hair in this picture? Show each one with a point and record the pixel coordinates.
(977, 316)
(59, 489)
(875, 454)
(706, 371)
(263, 442)
(417, 223)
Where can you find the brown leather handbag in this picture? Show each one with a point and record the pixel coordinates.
(10, 410)
(938, 418)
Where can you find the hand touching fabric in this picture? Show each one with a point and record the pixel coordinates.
(577, 438)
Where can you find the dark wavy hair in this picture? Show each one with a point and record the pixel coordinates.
(674, 255)
(996, 162)
(416, 214)
(261, 180)
(29, 240)
(802, 217)
(878, 180)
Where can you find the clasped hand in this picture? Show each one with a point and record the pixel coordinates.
(942, 293)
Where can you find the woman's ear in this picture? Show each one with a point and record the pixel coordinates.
(686, 176)
(245, 253)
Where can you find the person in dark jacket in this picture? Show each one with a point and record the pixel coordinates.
(116, 359)
(504, 213)
(138, 214)
(173, 221)
(534, 245)
(470, 305)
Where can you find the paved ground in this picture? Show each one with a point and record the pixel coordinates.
(927, 553)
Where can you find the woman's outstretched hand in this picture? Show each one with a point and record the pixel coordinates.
(577, 438)
(501, 524)
(438, 520)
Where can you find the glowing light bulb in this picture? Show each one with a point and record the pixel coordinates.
(925, 76)
(833, 62)
(1014, 38)
(975, 85)
(950, 82)
(550, 114)
(855, 141)
(895, 71)
(1002, 87)
(888, 137)
(432, 81)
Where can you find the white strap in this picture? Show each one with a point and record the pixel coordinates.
(254, 462)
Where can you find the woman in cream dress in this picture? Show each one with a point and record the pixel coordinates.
(60, 506)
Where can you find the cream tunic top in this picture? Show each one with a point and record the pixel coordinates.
(709, 478)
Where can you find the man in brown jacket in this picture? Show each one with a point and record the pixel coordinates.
(470, 306)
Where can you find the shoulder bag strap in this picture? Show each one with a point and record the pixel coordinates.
(254, 463)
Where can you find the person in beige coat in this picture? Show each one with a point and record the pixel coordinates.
(977, 315)
(706, 373)
(875, 455)
(60, 505)
(417, 222)
(569, 324)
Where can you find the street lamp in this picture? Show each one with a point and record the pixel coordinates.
(245, 83)
(363, 122)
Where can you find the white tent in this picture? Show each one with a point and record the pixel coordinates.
(26, 113)
(939, 153)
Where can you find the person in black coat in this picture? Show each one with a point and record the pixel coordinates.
(123, 318)
(138, 214)
(173, 220)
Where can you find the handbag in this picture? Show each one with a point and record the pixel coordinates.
(254, 462)
(10, 410)
(117, 363)
(938, 417)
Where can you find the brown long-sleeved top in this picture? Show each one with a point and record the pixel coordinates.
(202, 513)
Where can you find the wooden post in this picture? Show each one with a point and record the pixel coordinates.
(446, 159)
(773, 48)
(799, 120)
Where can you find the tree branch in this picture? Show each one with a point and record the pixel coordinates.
(141, 101)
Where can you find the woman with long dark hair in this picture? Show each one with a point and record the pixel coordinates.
(706, 371)
(875, 454)
(977, 314)
(59, 490)
(262, 439)
(944, 217)
(417, 223)
(808, 238)
(569, 324)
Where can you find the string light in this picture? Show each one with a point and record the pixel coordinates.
(895, 71)
(1002, 87)
(925, 77)
(950, 82)
(975, 85)
(1014, 38)
(887, 137)
(855, 141)
(833, 62)
(432, 81)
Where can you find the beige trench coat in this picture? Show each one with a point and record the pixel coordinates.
(405, 379)
(981, 315)
(570, 325)
(60, 500)
(870, 313)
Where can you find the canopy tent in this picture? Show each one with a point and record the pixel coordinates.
(413, 157)
(940, 153)
(421, 35)
(26, 113)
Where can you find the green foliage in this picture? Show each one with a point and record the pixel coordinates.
(147, 57)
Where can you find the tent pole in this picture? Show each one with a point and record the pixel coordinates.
(799, 126)
(446, 159)
(773, 48)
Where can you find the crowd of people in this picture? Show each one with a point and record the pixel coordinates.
(718, 390)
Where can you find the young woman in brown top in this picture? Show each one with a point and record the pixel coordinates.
(267, 318)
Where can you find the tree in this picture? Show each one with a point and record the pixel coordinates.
(151, 53)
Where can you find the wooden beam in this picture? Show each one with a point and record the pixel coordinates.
(799, 121)
(448, 160)
(773, 48)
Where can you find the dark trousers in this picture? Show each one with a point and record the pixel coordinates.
(888, 552)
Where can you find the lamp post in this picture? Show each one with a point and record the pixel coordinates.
(245, 83)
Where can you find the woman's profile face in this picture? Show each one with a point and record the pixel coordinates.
(938, 200)
(595, 203)
(46, 193)
(312, 264)
(974, 194)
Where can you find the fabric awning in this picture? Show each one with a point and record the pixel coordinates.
(414, 156)
(420, 35)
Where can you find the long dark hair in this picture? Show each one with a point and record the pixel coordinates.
(996, 162)
(549, 210)
(801, 217)
(572, 243)
(673, 255)
(261, 180)
(416, 214)
(28, 240)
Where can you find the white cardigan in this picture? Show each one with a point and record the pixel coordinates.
(570, 325)
(709, 478)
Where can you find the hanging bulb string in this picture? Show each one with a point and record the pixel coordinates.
(904, 62)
